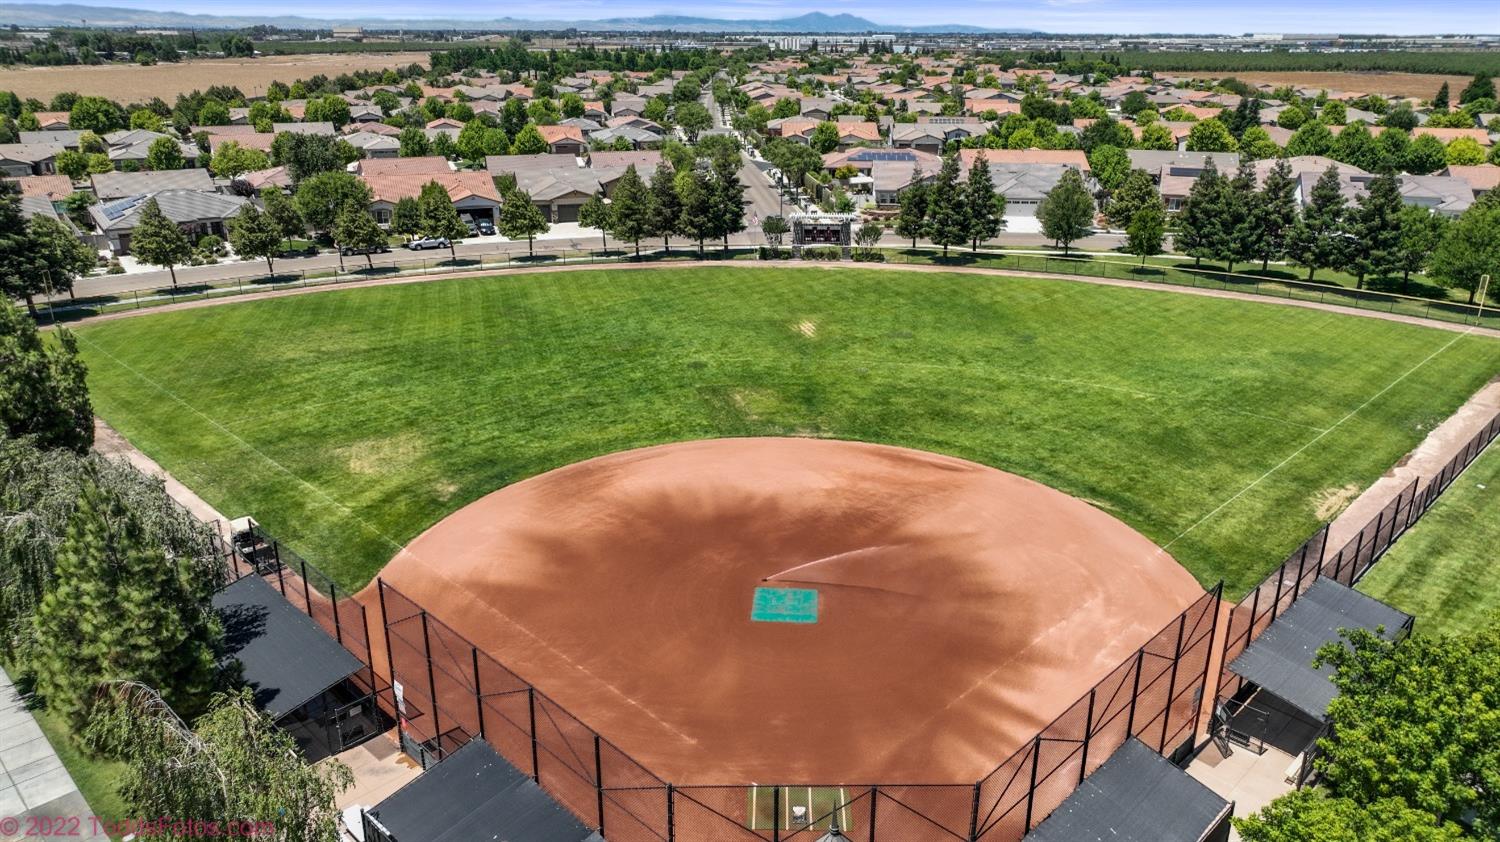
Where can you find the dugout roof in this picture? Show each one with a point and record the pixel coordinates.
(1280, 660)
(476, 794)
(287, 658)
(1136, 796)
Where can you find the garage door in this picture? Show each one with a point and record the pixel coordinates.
(1025, 207)
(567, 213)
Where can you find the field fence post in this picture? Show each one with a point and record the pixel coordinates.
(1208, 655)
(437, 730)
(306, 589)
(671, 814)
(1166, 714)
(478, 690)
(974, 814)
(874, 800)
(536, 770)
(776, 813)
(1280, 579)
(390, 661)
(1135, 692)
(1036, 759)
(599, 782)
(280, 568)
(1088, 735)
(338, 628)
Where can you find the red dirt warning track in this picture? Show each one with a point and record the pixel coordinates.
(961, 608)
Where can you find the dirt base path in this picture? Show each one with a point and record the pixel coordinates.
(790, 264)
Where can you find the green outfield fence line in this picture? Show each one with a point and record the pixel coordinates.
(1452, 312)
(1253, 614)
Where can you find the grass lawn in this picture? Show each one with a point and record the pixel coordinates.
(349, 421)
(1444, 569)
(98, 780)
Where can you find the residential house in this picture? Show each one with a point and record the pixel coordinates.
(564, 140)
(254, 182)
(607, 167)
(556, 183)
(29, 158)
(473, 194)
(420, 165)
(887, 172)
(119, 185)
(375, 145)
(52, 121)
(199, 213)
(627, 105)
(1481, 179)
(67, 138)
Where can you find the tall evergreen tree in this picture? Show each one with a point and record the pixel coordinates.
(1067, 211)
(596, 213)
(63, 257)
(1275, 213)
(1440, 102)
(1202, 222)
(984, 207)
(1241, 222)
(1319, 239)
(696, 193)
(1421, 232)
(121, 610)
(159, 241)
(911, 222)
(1376, 228)
(43, 392)
(1483, 87)
(663, 207)
(947, 222)
(728, 199)
(630, 213)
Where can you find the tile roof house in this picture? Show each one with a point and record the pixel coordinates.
(257, 180)
(420, 165)
(556, 183)
(53, 188)
(1074, 158)
(473, 194)
(1482, 178)
(52, 121)
(198, 213)
(563, 139)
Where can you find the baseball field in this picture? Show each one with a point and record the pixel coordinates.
(347, 422)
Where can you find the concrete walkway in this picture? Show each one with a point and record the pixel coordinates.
(33, 783)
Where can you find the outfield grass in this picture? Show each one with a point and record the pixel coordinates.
(98, 779)
(349, 421)
(1443, 571)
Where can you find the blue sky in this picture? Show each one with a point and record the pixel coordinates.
(1368, 16)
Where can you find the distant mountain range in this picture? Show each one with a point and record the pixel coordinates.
(73, 14)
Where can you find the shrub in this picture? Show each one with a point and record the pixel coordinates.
(115, 268)
(823, 253)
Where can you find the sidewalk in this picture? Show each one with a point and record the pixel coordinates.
(33, 783)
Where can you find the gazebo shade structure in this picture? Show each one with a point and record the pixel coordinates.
(286, 657)
(1280, 660)
(473, 795)
(1137, 796)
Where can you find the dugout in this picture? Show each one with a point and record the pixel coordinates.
(473, 794)
(1137, 796)
(298, 673)
(1284, 700)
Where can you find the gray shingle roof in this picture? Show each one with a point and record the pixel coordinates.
(118, 185)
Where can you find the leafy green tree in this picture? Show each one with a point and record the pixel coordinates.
(1375, 225)
(595, 213)
(74, 165)
(1333, 113)
(775, 228)
(306, 155)
(121, 609)
(1312, 138)
(164, 153)
(254, 234)
(1146, 230)
(1136, 191)
(1110, 165)
(1275, 214)
(406, 217)
(327, 109)
(1470, 247)
(543, 112)
(231, 160)
(354, 228)
(61, 256)
(513, 117)
(1067, 211)
(519, 217)
(471, 141)
(321, 197)
(1311, 815)
(572, 105)
(984, 208)
(22, 273)
(663, 207)
(1105, 131)
(77, 205)
(696, 192)
(947, 218)
(1401, 117)
(1319, 240)
(1425, 154)
(1421, 232)
(283, 212)
(213, 113)
(1357, 147)
(439, 217)
(1203, 224)
(1156, 136)
(158, 241)
(1464, 152)
(825, 138)
(1134, 103)
(911, 222)
(1210, 136)
(1483, 87)
(693, 118)
(95, 114)
(42, 391)
(786, 107)
(414, 143)
(1257, 145)
(235, 765)
(529, 142)
(1293, 117)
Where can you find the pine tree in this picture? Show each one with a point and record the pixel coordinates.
(912, 220)
(158, 240)
(1318, 240)
(1275, 213)
(663, 207)
(1067, 211)
(947, 223)
(984, 207)
(1376, 226)
(121, 610)
(1482, 87)
(1201, 224)
(698, 205)
(1440, 102)
(1241, 223)
(406, 217)
(728, 199)
(42, 386)
(1421, 232)
(628, 217)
